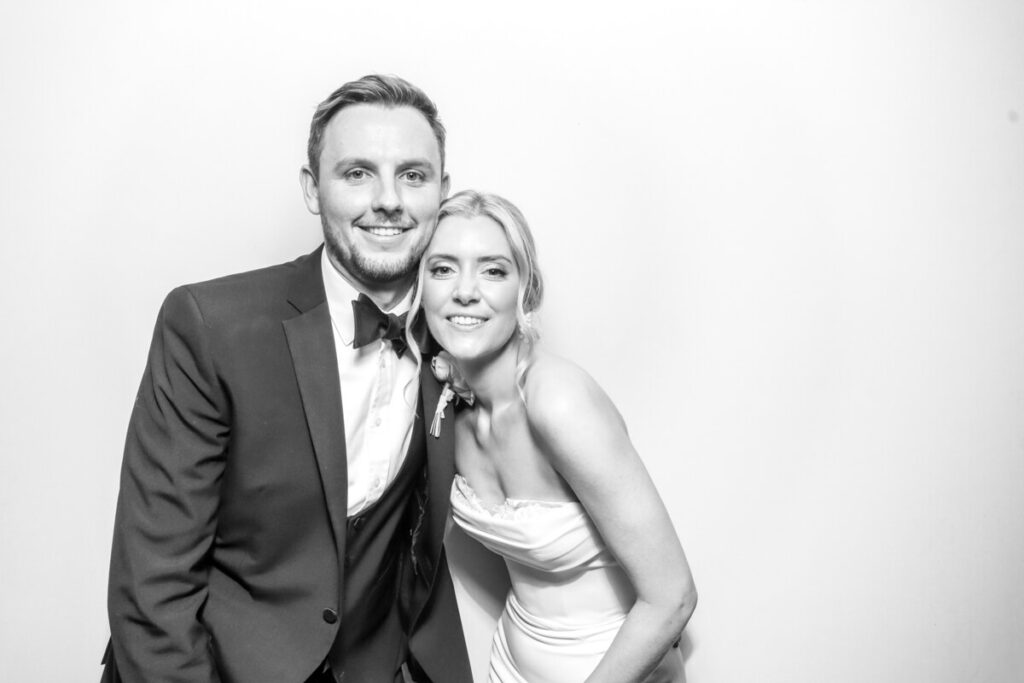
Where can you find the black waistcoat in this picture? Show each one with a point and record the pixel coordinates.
(371, 643)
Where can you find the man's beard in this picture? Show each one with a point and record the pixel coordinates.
(380, 271)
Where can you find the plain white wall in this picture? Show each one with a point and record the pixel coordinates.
(787, 238)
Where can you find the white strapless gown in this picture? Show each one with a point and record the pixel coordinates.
(569, 596)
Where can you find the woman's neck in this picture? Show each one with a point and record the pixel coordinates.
(493, 380)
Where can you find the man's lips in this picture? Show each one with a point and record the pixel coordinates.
(385, 230)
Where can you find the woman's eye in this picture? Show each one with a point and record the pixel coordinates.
(495, 272)
(441, 271)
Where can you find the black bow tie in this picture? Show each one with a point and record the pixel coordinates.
(372, 324)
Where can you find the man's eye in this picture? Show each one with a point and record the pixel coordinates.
(413, 176)
(356, 174)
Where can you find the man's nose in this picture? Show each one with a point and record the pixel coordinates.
(386, 198)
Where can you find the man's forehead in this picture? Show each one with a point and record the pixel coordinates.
(378, 130)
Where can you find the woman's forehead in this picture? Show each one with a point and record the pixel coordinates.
(470, 236)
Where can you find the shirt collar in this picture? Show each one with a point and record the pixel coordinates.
(340, 295)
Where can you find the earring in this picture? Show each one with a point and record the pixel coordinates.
(526, 328)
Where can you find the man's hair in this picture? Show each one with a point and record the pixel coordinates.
(383, 90)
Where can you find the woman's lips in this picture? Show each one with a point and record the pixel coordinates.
(466, 321)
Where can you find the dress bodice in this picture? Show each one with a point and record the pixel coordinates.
(546, 535)
(559, 565)
(569, 595)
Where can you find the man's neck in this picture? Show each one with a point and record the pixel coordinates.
(385, 295)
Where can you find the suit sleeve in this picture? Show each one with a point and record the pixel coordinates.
(167, 506)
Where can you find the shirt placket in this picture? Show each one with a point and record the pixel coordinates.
(380, 461)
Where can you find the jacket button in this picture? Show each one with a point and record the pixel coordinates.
(330, 616)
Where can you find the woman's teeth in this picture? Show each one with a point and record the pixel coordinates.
(465, 320)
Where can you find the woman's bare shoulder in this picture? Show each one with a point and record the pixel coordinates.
(562, 398)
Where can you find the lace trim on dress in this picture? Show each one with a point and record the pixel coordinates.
(510, 508)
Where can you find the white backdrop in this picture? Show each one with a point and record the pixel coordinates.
(787, 238)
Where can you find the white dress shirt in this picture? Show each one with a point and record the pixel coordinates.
(379, 392)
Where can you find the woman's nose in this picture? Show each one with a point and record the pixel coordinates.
(466, 291)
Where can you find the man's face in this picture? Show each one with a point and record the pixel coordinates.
(379, 191)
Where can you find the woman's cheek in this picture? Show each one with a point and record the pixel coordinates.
(432, 296)
(431, 306)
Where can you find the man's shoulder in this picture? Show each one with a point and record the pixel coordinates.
(281, 274)
(245, 293)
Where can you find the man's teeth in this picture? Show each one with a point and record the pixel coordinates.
(383, 231)
(466, 320)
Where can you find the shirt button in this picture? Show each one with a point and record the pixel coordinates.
(330, 616)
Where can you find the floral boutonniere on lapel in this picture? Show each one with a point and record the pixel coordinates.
(454, 385)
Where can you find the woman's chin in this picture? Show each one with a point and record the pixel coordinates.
(461, 350)
(469, 352)
(473, 346)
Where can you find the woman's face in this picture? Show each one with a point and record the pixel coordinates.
(470, 286)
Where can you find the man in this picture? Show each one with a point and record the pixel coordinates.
(282, 509)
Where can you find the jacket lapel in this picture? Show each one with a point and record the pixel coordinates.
(440, 466)
(311, 343)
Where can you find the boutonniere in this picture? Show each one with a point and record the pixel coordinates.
(454, 385)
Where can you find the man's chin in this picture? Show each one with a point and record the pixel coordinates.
(387, 270)
(383, 271)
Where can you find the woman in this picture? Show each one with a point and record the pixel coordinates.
(547, 476)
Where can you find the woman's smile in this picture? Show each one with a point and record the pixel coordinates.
(466, 321)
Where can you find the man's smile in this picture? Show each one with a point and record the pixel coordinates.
(384, 230)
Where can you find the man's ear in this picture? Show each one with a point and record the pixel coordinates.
(446, 183)
(310, 190)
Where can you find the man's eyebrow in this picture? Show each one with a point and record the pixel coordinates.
(417, 161)
(350, 162)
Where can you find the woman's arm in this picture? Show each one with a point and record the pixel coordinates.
(582, 433)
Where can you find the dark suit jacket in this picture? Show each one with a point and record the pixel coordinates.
(229, 540)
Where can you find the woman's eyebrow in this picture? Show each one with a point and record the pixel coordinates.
(452, 257)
